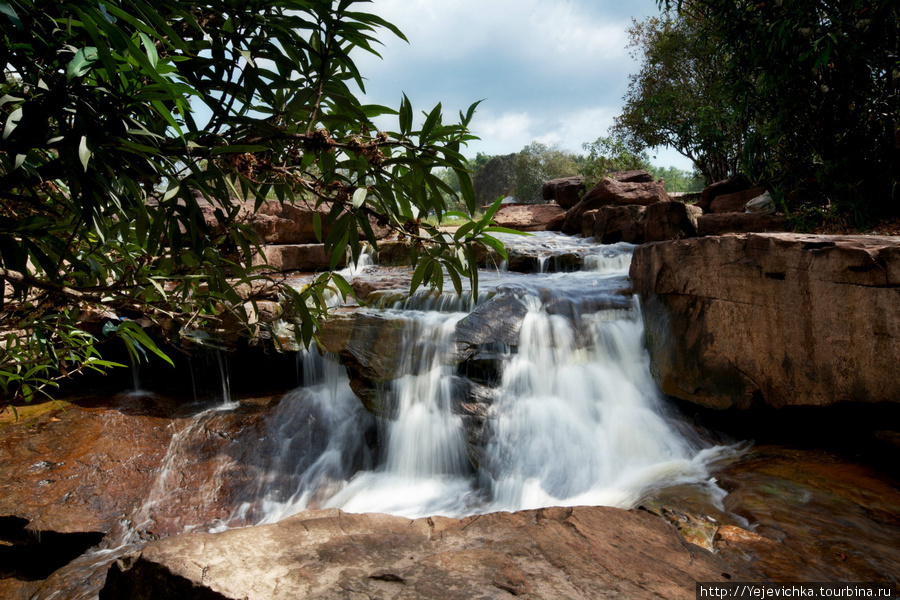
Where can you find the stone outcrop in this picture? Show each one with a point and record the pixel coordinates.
(775, 319)
(612, 192)
(566, 191)
(637, 224)
(739, 222)
(531, 217)
(612, 224)
(727, 186)
(670, 221)
(736, 201)
(68, 470)
(296, 257)
(582, 552)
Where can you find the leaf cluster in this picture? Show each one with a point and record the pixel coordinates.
(138, 136)
(816, 84)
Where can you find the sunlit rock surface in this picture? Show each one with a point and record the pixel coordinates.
(582, 552)
(772, 319)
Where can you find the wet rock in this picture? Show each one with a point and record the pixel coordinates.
(68, 472)
(531, 217)
(566, 191)
(368, 344)
(490, 328)
(670, 221)
(613, 224)
(611, 192)
(393, 253)
(772, 319)
(582, 552)
(810, 516)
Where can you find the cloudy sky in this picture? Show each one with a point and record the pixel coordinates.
(554, 71)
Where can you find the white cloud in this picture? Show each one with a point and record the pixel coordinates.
(553, 71)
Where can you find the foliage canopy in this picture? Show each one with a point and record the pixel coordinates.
(817, 88)
(133, 132)
(680, 96)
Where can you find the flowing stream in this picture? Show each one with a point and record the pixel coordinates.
(570, 415)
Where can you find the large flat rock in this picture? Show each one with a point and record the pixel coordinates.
(773, 319)
(582, 552)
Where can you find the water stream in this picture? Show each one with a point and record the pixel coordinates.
(573, 417)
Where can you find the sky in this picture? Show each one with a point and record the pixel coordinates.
(552, 71)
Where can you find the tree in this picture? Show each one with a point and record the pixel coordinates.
(817, 85)
(607, 155)
(537, 163)
(680, 97)
(106, 165)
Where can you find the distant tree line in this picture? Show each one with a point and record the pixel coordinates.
(521, 175)
(803, 96)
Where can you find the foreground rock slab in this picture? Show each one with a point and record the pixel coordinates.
(582, 552)
(775, 319)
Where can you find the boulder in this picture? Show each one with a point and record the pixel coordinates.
(567, 191)
(283, 223)
(368, 344)
(670, 221)
(736, 201)
(612, 224)
(733, 184)
(531, 217)
(296, 257)
(581, 552)
(610, 192)
(738, 222)
(775, 319)
(633, 176)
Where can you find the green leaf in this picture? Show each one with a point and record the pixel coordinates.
(419, 273)
(152, 54)
(82, 62)
(7, 10)
(317, 225)
(406, 116)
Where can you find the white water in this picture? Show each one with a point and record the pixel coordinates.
(575, 420)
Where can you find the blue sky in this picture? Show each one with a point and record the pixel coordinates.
(554, 71)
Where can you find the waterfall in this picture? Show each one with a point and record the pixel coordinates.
(575, 417)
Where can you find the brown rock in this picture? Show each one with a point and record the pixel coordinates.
(727, 186)
(277, 223)
(815, 517)
(670, 221)
(612, 224)
(567, 191)
(736, 201)
(738, 222)
(530, 217)
(774, 319)
(67, 471)
(635, 176)
(611, 192)
(582, 552)
(297, 257)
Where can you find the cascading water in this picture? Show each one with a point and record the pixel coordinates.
(571, 417)
(574, 419)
